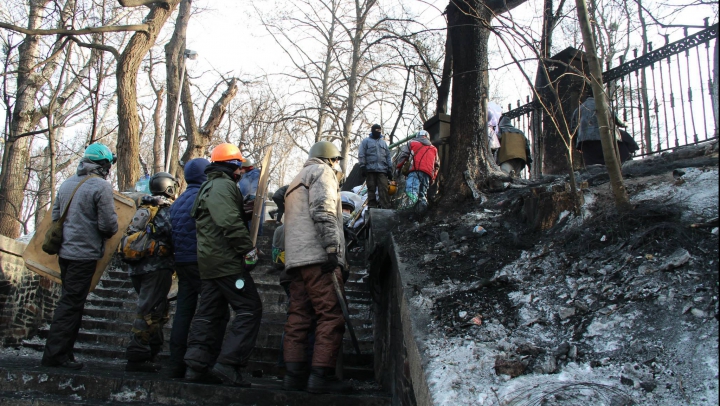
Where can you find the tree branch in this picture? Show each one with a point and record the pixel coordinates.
(101, 47)
(82, 31)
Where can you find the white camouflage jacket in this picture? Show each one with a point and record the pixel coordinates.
(313, 217)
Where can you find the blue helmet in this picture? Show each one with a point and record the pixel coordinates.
(99, 154)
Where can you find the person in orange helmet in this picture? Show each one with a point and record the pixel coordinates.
(225, 257)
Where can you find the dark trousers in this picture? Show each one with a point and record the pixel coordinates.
(312, 292)
(280, 208)
(151, 314)
(240, 340)
(380, 181)
(76, 277)
(187, 298)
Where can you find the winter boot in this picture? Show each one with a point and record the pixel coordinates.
(230, 375)
(142, 366)
(296, 376)
(324, 380)
(197, 372)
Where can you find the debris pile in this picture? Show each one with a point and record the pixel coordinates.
(605, 307)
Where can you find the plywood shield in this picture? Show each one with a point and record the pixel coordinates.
(46, 265)
(260, 195)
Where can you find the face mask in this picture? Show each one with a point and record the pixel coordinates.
(346, 217)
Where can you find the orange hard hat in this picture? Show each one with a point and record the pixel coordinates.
(392, 189)
(227, 152)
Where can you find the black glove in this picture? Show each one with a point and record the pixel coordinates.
(389, 175)
(363, 171)
(331, 264)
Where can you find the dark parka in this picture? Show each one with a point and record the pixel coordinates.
(183, 224)
(222, 238)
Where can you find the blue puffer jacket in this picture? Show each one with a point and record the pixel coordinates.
(183, 224)
(374, 155)
(249, 183)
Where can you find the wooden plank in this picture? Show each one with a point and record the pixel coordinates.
(260, 196)
(46, 265)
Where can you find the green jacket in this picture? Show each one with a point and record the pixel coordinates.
(222, 238)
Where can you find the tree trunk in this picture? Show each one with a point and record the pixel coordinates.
(607, 137)
(158, 162)
(198, 140)
(325, 89)
(444, 89)
(128, 138)
(16, 154)
(357, 44)
(174, 69)
(468, 132)
(542, 81)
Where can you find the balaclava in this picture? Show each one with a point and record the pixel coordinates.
(375, 131)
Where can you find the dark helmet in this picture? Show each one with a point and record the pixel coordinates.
(162, 183)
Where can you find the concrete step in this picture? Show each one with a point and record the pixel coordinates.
(108, 382)
(35, 398)
(270, 369)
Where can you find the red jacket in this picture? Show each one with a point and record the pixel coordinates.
(424, 157)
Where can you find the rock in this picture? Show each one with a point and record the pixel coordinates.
(698, 313)
(676, 259)
(462, 314)
(648, 386)
(427, 258)
(715, 231)
(562, 349)
(445, 238)
(572, 352)
(646, 269)
(626, 381)
(548, 364)
(566, 312)
(439, 246)
(529, 349)
(510, 367)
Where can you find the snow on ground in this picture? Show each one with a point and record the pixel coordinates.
(632, 319)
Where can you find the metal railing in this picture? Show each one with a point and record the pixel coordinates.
(664, 96)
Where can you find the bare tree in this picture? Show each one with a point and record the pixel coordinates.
(601, 107)
(469, 22)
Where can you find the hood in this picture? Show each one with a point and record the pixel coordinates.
(219, 167)
(87, 167)
(195, 171)
(507, 127)
(422, 140)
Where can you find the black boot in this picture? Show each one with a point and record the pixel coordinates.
(323, 380)
(296, 376)
(230, 375)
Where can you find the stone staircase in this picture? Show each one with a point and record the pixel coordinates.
(109, 313)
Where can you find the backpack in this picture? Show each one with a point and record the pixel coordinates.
(138, 243)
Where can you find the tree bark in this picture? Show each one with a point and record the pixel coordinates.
(174, 69)
(607, 137)
(468, 132)
(158, 161)
(15, 158)
(444, 89)
(128, 139)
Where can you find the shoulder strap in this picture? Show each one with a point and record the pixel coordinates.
(67, 206)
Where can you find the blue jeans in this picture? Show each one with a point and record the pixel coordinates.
(416, 186)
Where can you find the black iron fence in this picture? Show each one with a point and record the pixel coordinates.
(665, 97)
